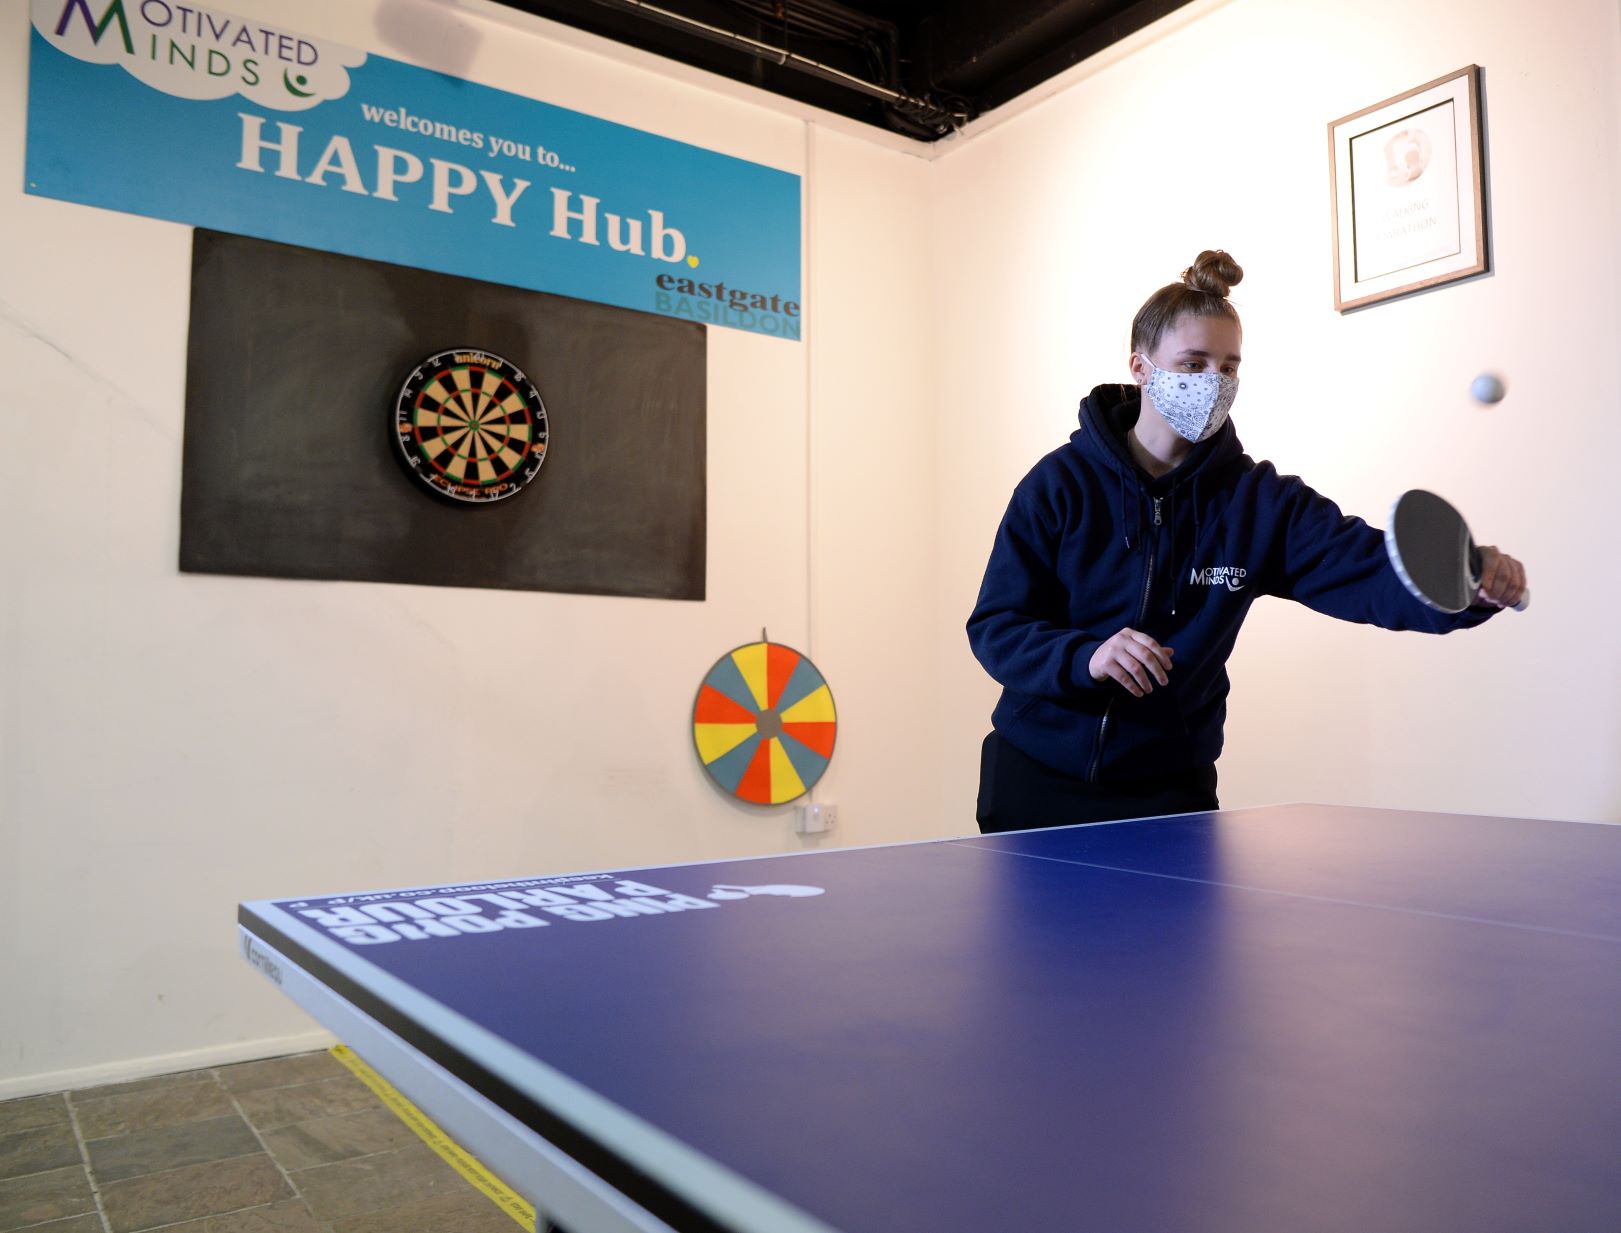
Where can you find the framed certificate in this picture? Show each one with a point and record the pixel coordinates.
(1408, 192)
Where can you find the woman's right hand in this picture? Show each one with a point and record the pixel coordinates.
(1133, 660)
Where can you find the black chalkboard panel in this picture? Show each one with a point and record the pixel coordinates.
(290, 468)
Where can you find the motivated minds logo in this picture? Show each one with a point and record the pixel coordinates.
(1230, 576)
(198, 53)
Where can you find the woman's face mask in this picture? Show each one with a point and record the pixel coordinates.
(1195, 404)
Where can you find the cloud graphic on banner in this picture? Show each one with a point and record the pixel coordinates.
(197, 53)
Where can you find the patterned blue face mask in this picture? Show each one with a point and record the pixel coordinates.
(1195, 404)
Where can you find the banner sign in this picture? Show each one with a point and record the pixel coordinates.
(195, 116)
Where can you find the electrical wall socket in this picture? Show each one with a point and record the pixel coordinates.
(815, 819)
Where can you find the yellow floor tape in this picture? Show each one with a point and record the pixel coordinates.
(487, 1183)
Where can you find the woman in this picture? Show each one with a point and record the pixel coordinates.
(1126, 563)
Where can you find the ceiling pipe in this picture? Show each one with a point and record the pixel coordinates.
(922, 110)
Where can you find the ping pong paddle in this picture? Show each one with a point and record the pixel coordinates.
(1433, 552)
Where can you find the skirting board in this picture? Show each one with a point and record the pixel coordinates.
(16, 1086)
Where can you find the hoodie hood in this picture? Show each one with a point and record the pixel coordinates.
(1109, 412)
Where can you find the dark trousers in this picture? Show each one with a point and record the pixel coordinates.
(1018, 793)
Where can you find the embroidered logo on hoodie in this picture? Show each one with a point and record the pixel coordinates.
(1230, 576)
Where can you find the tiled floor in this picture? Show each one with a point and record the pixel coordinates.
(292, 1145)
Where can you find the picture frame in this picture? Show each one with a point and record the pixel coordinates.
(1408, 189)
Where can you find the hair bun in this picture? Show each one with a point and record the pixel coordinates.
(1213, 272)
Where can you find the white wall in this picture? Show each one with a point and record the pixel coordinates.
(171, 744)
(1050, 229)
(874, 564)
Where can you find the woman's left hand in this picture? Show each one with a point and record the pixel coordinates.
(1502, 578)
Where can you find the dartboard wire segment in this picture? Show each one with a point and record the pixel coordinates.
(764, 723)
(471, 426)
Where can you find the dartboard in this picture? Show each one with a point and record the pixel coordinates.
(471, 426)
(764, 723)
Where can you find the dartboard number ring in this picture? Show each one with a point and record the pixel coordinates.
(470, 426)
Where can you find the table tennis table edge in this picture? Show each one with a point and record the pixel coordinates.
(494, 1137)
(476, 884)
(304, 964)
(575, 875)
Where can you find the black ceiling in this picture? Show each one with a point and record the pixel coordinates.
(919, 67)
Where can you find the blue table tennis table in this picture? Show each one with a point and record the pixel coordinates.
(1275, 1020)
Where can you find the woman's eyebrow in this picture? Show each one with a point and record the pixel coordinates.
(1205, 355)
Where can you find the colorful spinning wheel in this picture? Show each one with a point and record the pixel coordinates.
(764, 723)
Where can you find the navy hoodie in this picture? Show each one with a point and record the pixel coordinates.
(1091, 544)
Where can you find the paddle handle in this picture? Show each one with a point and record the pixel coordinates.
(1475, 571)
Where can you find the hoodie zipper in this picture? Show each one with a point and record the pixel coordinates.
(1142, 611)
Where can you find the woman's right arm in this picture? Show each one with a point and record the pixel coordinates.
(1018, 629)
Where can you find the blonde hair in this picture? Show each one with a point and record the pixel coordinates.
(1201, 293)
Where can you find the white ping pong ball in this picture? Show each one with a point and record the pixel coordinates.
(1488, 388)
